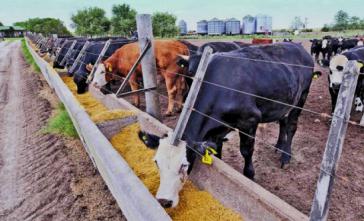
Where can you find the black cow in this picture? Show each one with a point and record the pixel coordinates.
(62, 51)
(316, 47)
(348, 44)
(73, 55)
(337, 66)
(89, 58)
(193, 60)
(277, 81)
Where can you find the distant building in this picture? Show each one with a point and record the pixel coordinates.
(248, 25)
(11, 31)
(182, 25)
(232, 26)
(202, 27)
(263, 24)
(215, 27)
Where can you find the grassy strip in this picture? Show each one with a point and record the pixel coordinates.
(28, 57)
(61, 123)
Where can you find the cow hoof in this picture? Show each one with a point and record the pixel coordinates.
(249, 172)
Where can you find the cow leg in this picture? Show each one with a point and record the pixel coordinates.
(282, 138)
(181, 87)
(291, 130)
(172, 91)
(135, 86)
(247, 149)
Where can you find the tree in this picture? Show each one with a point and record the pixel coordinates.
(45, 26)
(1, 24)
(341, 21)
(297, 23)
(164, 24)
(123, 20)
(354, 22)
(91, 21)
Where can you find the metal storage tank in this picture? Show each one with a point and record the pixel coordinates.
(232, 26)
(248, 26)
(215, 27)
(182, 25)
(263, 24)
(202, 27)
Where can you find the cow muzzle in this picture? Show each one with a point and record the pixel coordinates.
(165, 203)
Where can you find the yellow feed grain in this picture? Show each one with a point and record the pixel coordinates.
(97, 111)
(194, 204)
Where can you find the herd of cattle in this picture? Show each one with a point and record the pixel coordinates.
(244, 85)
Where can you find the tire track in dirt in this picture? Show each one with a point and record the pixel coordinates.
(42, 176)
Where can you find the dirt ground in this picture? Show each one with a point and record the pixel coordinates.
(297, 183)
(42, 176)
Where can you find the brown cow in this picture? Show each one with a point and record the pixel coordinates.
(166, 54)
(262, 41)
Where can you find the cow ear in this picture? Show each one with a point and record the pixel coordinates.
(150, 140)
(361, 66)
(201, 147)
(89, 67)
(339, 68)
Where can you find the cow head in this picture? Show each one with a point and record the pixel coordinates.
(191, 62)
(324, 43)
(80, 81)
(174, 163)
(337, 65)
(103, 75)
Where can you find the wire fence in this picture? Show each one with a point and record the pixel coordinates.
(232, 128)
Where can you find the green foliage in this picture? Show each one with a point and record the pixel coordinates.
(45, 26)
(164, 24)
(28, 57)
(61, 123)
(91, 21)
(342, 22)
(123, 20)
(1, 24)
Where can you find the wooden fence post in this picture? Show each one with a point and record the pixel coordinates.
(334, 145)
(145, 34)
(192, 96)
(69, 51)
(101, 55)
(79, 56)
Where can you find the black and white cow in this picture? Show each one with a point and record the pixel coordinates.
(316, 47)
(337, 66)
(277, 81)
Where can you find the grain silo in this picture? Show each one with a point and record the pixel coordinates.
(248, 26)
(182, 25)
(263, 24)
(215, 27)
(232, 26)
(202, 27)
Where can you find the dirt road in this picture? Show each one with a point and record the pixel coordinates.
(42, 176)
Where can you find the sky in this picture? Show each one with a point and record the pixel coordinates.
(318, 12)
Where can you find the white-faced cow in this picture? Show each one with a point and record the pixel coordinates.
(337, 68)
(277, 80)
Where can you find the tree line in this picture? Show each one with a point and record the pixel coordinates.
(343, 21)
(93, 22)
(44, 25)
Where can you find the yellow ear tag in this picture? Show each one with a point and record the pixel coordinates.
(207, 159)
(315, 76)
(110, 69)
(359, 65)
(144, 138)
(182, 66)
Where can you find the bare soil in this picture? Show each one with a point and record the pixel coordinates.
(297, 183)
(42, 176)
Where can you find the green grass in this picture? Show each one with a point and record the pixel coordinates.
(28, 56)
(61, 123)
(12, 39)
